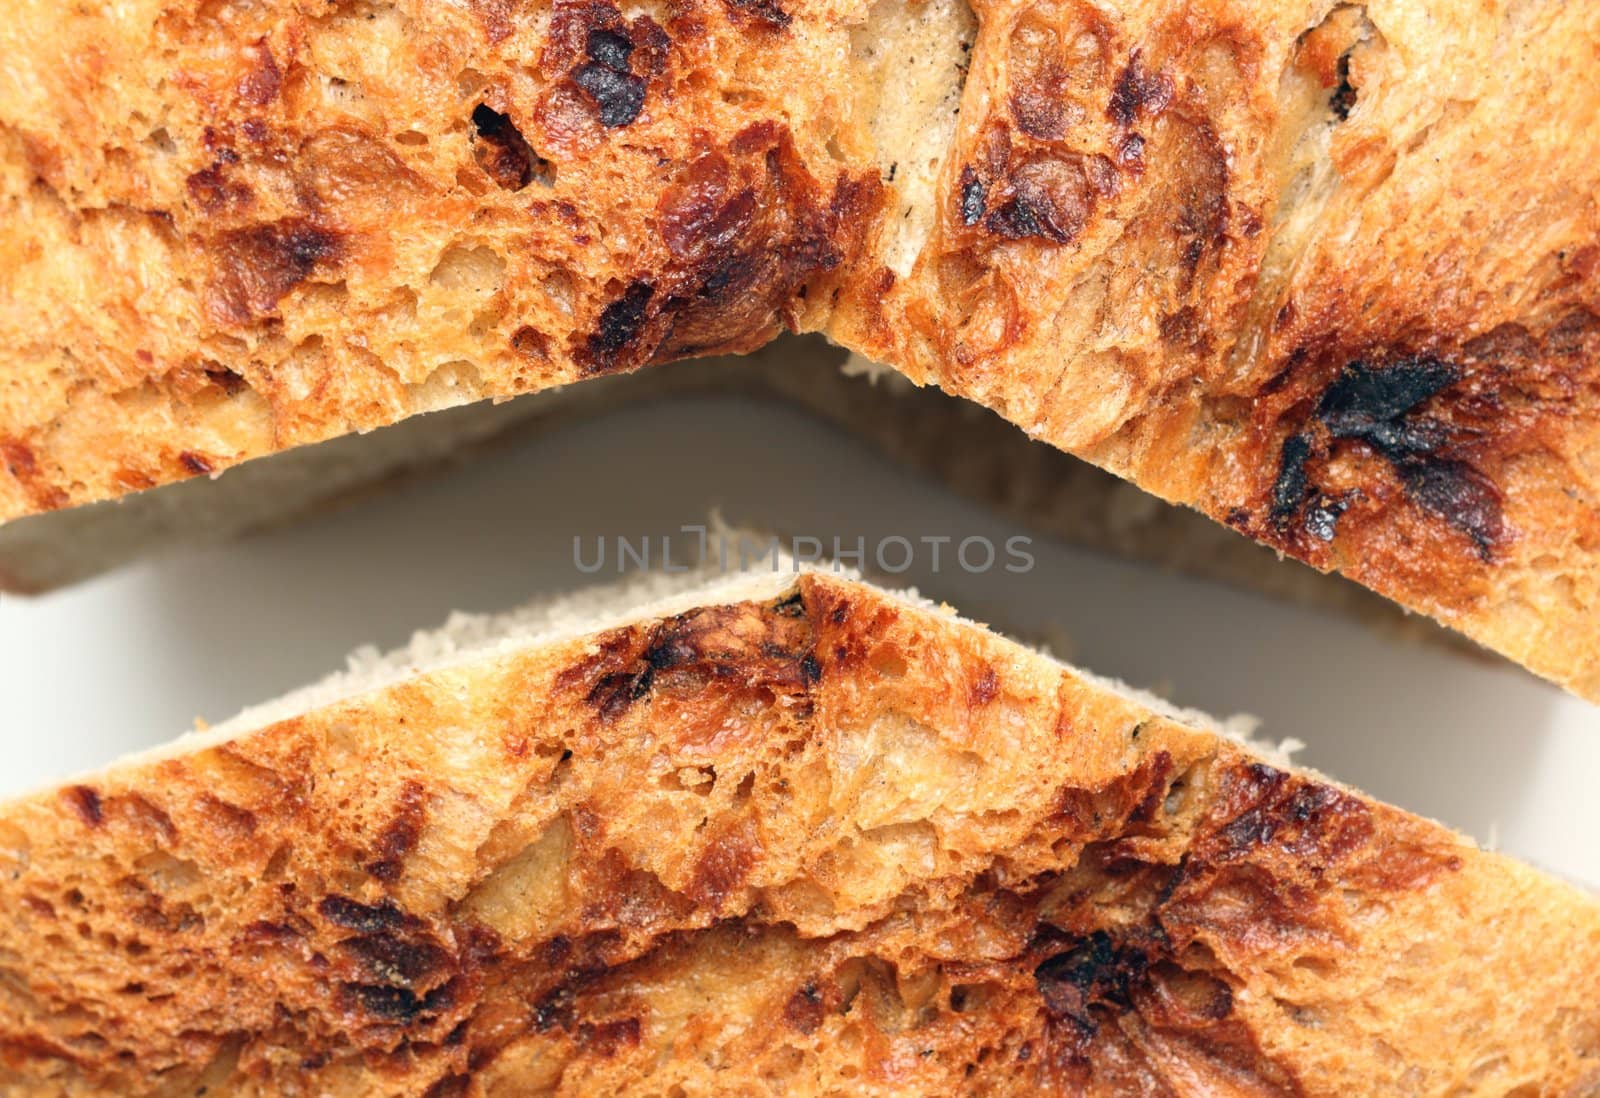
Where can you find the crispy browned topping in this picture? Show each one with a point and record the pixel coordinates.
(779, 845)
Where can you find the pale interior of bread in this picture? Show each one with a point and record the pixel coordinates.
(911, 56)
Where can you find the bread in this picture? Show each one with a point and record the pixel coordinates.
(967, 447)
(779, 834)
(1329, 273)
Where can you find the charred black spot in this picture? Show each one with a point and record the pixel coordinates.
(1309, 800)
(672, 647)
(1138, 91)
(609, 48)
(791, 606)
(1098, 973)
(1367, 402)
(1343, 100)
(364, 918)
(1378, 407)
(1289, 490)
(502, 152)
(1020, 218)
(617, 92)
(400, 1004)
(620, 324)
(973, 197)
(1313, 823)
(85, 802)
(1047, 198)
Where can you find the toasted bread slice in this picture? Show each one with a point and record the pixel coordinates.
(1329, 274)
(962, 444)
(779, 835)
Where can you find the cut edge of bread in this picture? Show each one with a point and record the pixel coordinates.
(760, 799)
(643, 596)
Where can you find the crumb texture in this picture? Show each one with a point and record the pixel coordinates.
(1329, 273)
(824, 843)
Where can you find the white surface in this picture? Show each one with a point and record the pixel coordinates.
(132, 659)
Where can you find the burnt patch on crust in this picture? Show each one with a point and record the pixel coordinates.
(390, 968)
(1095, 975)
(1088, 985)
(1272, 865)
(1292, 485)
(399, 1005)
(1138, 92)
(621, 322)
(503, 153)
(744, 647)
(1029, 190)
(1343, 99)
(1380, 407)
(791, 606)
(616, 91)
(1260, 806)
(746, 229)
(255, 267)
(1273, 861)
(608, 59)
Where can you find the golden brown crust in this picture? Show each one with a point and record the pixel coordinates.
(1326, 272)
(1329, 273)
(824, 843)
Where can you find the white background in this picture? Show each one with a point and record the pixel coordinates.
(133, 658)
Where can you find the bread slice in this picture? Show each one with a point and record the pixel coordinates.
(962, 444)
(1328, 273)
(778, 834)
